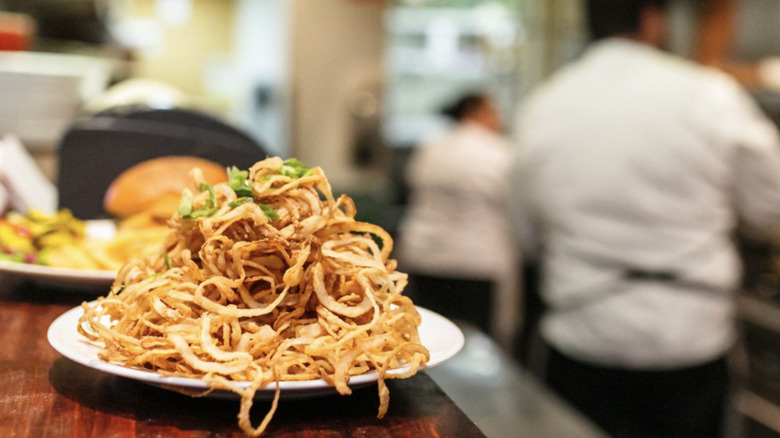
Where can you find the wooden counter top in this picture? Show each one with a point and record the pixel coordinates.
(43, 394)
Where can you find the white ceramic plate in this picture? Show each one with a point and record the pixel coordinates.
(53, 276)
(67, 277)
(440, 335)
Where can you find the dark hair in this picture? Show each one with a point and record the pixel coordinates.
(463, 105)
(607, 18)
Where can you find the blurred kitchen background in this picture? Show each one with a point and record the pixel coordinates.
(352, 86)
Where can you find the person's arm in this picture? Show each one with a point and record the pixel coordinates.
(756, 167)
(521, 209)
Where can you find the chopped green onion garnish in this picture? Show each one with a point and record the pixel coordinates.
(239, 201)
(294, 168)
(269, 212)
(202, 212)
(185, 203)
(237, 180)
(186, 209)
(212, 202)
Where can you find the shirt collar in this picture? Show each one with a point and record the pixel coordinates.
(622, 45)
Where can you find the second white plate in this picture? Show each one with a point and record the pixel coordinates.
(68, 277)
(50, 275)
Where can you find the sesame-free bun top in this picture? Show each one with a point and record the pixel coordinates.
(155, 186)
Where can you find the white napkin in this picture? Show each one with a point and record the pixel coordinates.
(23, 186)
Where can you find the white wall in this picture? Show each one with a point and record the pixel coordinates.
(261, 59)
(337, 48)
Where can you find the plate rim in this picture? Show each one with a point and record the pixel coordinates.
(44, 271)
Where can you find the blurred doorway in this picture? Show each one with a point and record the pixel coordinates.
(438, 49)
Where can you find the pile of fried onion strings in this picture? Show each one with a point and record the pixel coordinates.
(264, 279)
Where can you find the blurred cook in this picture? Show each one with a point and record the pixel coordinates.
(454, 241)
(634, 169)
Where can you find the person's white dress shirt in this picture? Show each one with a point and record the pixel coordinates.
(456, 223)
(634, 169)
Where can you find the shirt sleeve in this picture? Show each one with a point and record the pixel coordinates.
(520, 205)
(756, 165)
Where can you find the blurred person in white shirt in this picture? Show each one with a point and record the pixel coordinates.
(454, 240)
(634, 170)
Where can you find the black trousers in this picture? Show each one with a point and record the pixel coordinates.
(688, 402)
(461, 299)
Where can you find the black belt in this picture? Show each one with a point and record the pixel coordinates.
(641, 275)
(633, 274)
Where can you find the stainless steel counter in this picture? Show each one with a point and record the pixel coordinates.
(503, 399)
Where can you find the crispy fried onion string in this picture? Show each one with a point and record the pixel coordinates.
(237, 297)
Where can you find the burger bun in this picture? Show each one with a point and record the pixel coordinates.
(155, 186)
